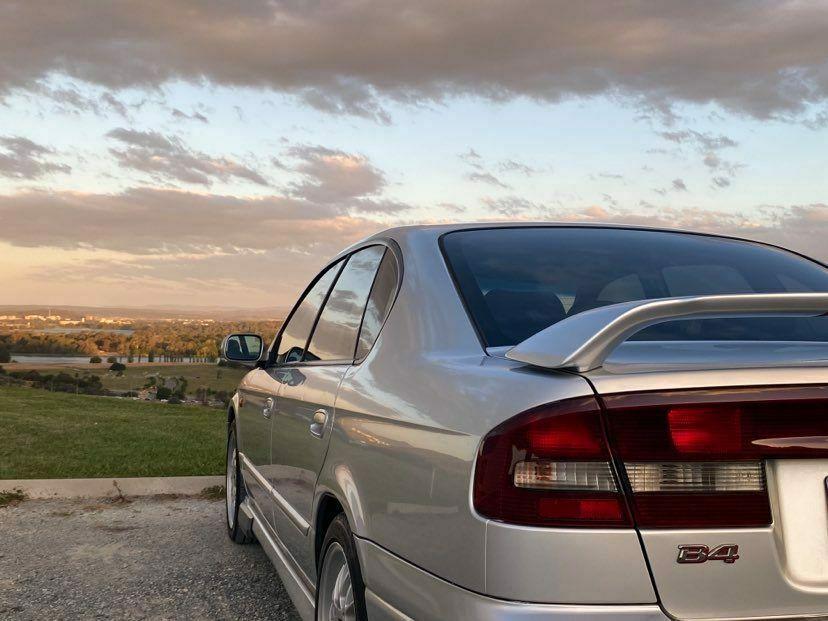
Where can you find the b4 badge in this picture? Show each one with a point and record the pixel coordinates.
(697, 553)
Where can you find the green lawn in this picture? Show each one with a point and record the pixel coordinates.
(45, 435)
(135, 376)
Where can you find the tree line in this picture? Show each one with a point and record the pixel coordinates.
(149, 341)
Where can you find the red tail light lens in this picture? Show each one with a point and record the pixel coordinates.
(706, 429)
(550, 467)
(694, 459)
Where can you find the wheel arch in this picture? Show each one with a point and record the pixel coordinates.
(328, 507)
(232, 409)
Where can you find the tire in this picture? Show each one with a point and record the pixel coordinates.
(334, 601)
(238, 527)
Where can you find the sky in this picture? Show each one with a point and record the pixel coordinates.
(192, 153)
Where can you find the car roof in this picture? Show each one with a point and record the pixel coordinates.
(402, 234)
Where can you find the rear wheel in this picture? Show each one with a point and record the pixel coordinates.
(237, 529)
(340, 591)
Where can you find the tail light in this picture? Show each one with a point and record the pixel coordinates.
(689, 459)
(695, 459)
(550, 466)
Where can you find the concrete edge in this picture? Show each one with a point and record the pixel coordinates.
(110, 487)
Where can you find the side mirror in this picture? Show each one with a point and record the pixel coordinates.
(245, 348)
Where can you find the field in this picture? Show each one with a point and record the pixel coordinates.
(54, 435)
(135, 377)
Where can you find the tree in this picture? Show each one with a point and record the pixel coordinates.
(95, 360)
(112, 360)
(163, 393)
(5, 355)
(118, 367)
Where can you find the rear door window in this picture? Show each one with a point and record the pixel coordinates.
(379, 303)
(335, 335)
(296, 332)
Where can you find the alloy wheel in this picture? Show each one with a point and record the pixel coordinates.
(336, 591)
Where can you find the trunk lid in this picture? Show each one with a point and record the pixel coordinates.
(775, 416)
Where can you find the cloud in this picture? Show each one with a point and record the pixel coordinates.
(481, 169)
(195, 116)
(20, 158)
(68, 98)
(167, 157)
(762, 58)
(332, 175)
(516, 207)
(509, 166)
(472, 158)
(708, 145)
(704, 140)
(489, 178)
(802, 228)
(145, 245)
(344, 180)
(679, 185)
(149, 221)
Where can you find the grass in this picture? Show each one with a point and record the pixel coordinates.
(10, 498)
(49, 435)
(135, 376)
(214, 492)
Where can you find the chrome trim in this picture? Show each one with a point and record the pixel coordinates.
(317, 428)
(582, 342)
(280, 501)
(381, 610)
(245, 508)
(267, 410)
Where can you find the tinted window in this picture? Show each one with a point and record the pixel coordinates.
(298, 329)
(518, 281)
(335, 335)
(379, 303)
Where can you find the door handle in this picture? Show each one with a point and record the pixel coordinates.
(317, 428)
(267, 410)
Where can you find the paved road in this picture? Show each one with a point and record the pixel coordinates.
(145, 559)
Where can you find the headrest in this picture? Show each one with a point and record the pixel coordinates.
(520, 314)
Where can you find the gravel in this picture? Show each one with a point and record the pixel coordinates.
(150, 558)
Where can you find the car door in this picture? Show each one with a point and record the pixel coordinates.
(307, 398)
(254, 422)
(260, 392)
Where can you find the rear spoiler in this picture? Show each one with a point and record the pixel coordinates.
(583, 341)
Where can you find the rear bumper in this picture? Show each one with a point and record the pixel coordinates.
(399, 591)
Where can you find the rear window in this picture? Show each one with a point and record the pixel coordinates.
(518, 281)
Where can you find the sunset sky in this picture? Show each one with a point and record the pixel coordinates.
(217, 153)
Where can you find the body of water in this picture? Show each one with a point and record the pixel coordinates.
(48, 359)
(57, 359)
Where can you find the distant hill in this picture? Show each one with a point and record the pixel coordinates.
(218, 313)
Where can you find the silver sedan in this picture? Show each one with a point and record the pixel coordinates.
(541, 422)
